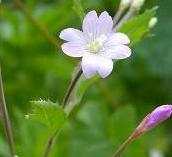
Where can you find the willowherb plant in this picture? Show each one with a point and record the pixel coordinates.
(102, 40)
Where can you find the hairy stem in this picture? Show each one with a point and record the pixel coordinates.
(5, 118)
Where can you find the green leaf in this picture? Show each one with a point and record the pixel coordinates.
(48, 113)
(137, 27)
(77, 6)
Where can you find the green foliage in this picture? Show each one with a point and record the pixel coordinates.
(77, 6)
(33, 68)
(96, 130)
(138, 26)
(3, 146)
(48, 113)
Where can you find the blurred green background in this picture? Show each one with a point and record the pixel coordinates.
(33, 68)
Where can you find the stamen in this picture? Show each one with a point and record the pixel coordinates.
(96, 45)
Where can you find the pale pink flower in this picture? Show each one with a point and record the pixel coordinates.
(97, 44)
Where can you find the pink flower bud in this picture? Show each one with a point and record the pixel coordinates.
(154, 118)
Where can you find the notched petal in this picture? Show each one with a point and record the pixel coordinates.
(105, 23)
(90, 22)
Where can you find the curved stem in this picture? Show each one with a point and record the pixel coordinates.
(5, 118)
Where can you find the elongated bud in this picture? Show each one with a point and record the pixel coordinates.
(153, 21)
(137, 4)
(154, 118)
(125, 4)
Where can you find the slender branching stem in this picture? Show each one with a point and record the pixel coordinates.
(65, 105)
(71, 88)
(70, 91)
(122, 148)
(117, 16)
(5, 118)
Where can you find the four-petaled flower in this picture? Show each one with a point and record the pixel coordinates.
(97, 44)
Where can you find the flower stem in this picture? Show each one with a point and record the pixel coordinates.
(118, 15)
(5, 118)
(127, 16)
(136, 133)
(65, 105)
(71, 88)
(123, 147)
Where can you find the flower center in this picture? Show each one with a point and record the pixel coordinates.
(97, 44)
